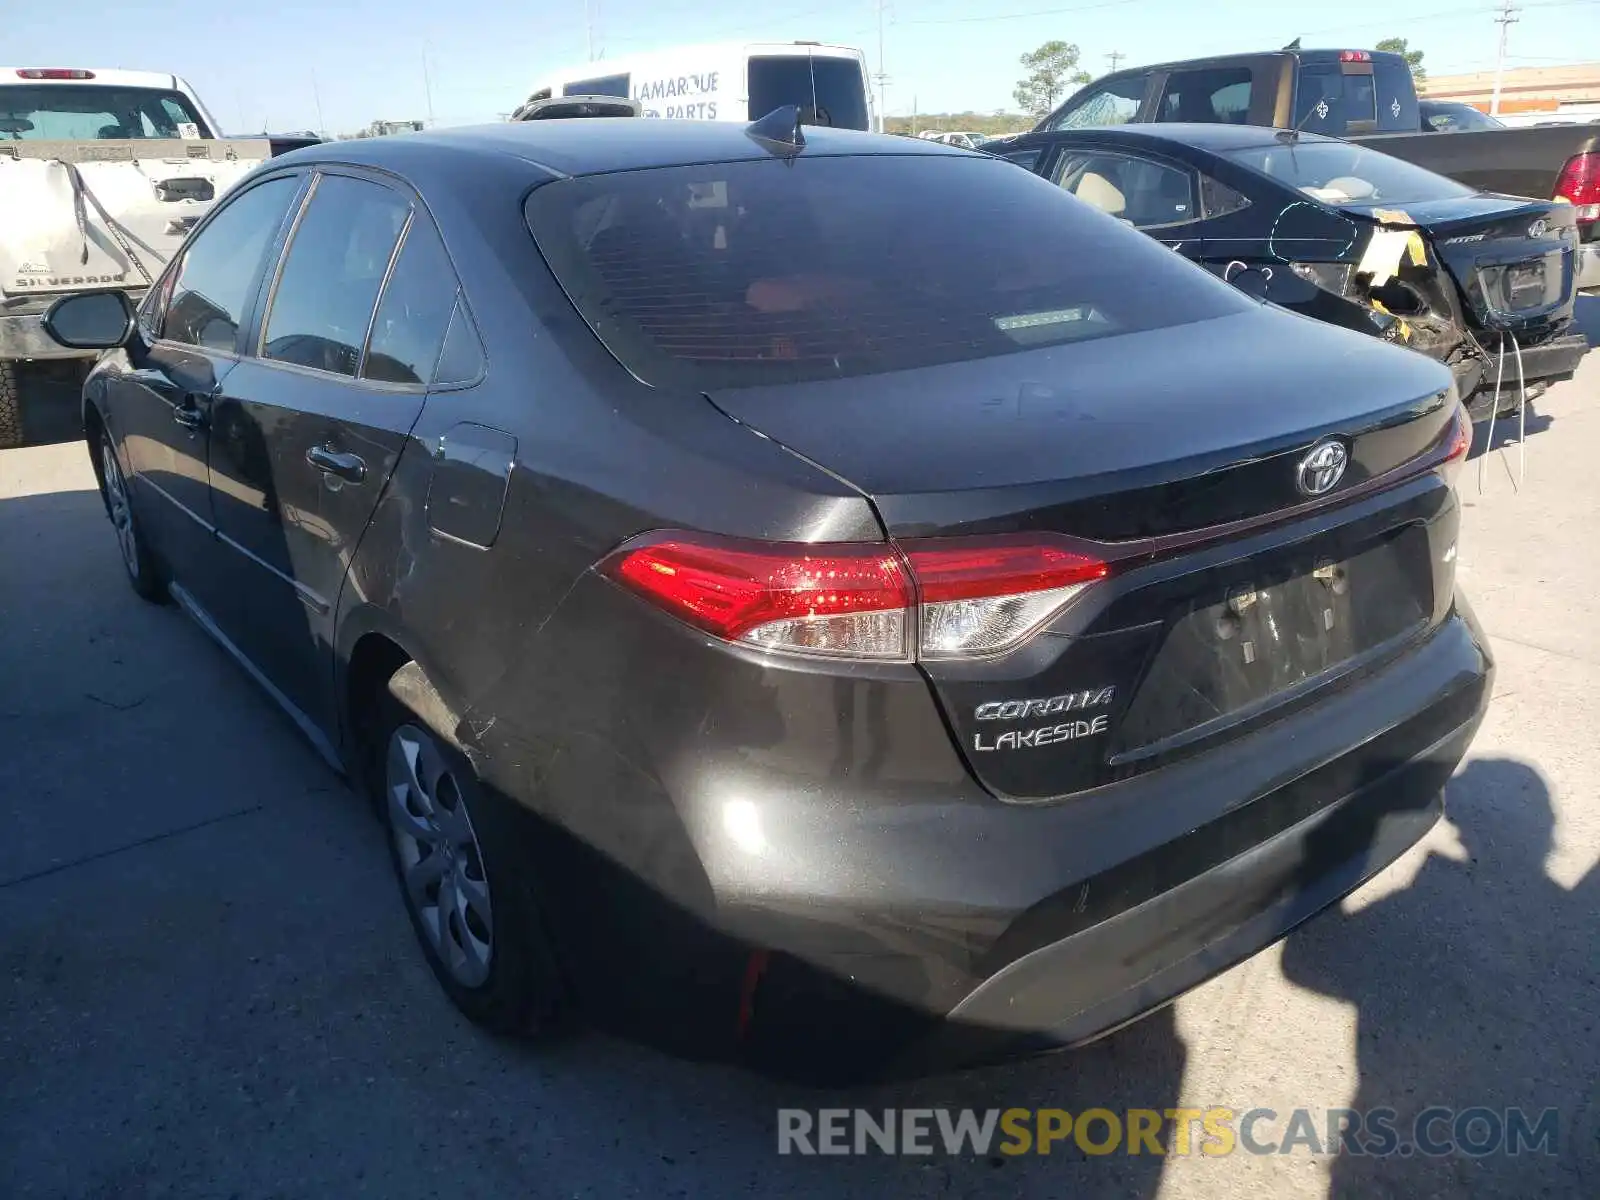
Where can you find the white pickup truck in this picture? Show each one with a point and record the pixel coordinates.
(102, 175)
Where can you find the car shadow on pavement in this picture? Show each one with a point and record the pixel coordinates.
(1452, 1016)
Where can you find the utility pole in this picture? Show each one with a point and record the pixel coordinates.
(1115, 57)
(427, 84)
(882, 78)
(1506, 19)
(588, 26)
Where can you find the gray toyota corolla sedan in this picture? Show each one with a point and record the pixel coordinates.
(789, 590)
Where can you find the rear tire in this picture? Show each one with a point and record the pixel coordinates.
(459, 854)
(145, 574)
(10, 407)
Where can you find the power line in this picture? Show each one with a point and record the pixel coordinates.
(1017, 16)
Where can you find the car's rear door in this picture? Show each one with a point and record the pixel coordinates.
(309, 426)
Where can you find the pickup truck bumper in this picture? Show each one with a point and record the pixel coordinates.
(1588, 264)
(22, 335)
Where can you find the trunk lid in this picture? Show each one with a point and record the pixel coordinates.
(1123, 437)
(1135, 449)
(1514, 259)
(87, 214)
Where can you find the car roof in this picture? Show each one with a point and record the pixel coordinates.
(1215, 137)
(596, 145)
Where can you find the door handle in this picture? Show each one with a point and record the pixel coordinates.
(188, 414)
(338, 462)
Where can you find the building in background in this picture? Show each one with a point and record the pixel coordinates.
(1527, 94)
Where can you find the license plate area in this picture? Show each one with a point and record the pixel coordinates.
(1523, 287)
(1253, 643)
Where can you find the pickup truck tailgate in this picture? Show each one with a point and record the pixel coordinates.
(86, 214)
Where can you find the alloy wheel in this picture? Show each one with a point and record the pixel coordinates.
(121, 511)
(441, 863)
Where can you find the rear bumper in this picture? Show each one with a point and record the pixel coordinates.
(22, 333)
(1048, 926)
(1546, 362)
(23, 336)
(1588, 266)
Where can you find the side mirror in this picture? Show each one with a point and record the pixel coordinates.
(91, 320)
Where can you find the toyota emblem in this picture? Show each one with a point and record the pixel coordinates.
(1320, 470)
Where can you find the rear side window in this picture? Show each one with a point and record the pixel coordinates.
(219, 267)
(772, 271)
(604, 85)
(1396, 94)
(329, 282)
(1114, 103)
(1146, 194)
(829, 91)
(1025, 158)
(1218, 95)
(414, 312)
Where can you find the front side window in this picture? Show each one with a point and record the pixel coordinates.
(415, 310)
(1145, 194)
(1025, 158)
(65, 112)
(1113, 103)
(829, 91)
(1215, 95)
(323, 301)
(218, 274)
(779, 270)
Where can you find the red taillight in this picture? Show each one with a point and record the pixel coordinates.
(961, 597)
(1354, 56)
(826, 599)
(1579, 185)
(53, 73)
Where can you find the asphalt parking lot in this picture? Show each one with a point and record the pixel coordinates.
(208, 985)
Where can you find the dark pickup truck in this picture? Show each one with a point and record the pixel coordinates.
(1361, 95)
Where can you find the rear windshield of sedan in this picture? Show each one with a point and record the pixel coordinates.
(1341, 173)
(772, 271)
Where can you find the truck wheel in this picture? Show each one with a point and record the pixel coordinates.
(10, 407)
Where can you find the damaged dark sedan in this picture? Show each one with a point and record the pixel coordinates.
(1339, 231)
(826, 599)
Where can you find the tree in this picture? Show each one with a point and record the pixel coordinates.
(1413, 57)
(1051, 69)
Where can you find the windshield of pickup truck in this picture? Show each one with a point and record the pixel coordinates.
(1341, 173)
(69, 113)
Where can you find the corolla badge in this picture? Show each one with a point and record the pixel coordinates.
(1321, 469)
(1539, 228)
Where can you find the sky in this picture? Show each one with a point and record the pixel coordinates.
(300, 64)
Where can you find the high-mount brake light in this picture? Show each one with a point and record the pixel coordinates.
(53, 73)
(934, 598)
(1354, 56)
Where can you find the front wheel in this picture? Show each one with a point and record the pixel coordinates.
(463, 874)
(144, 572)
